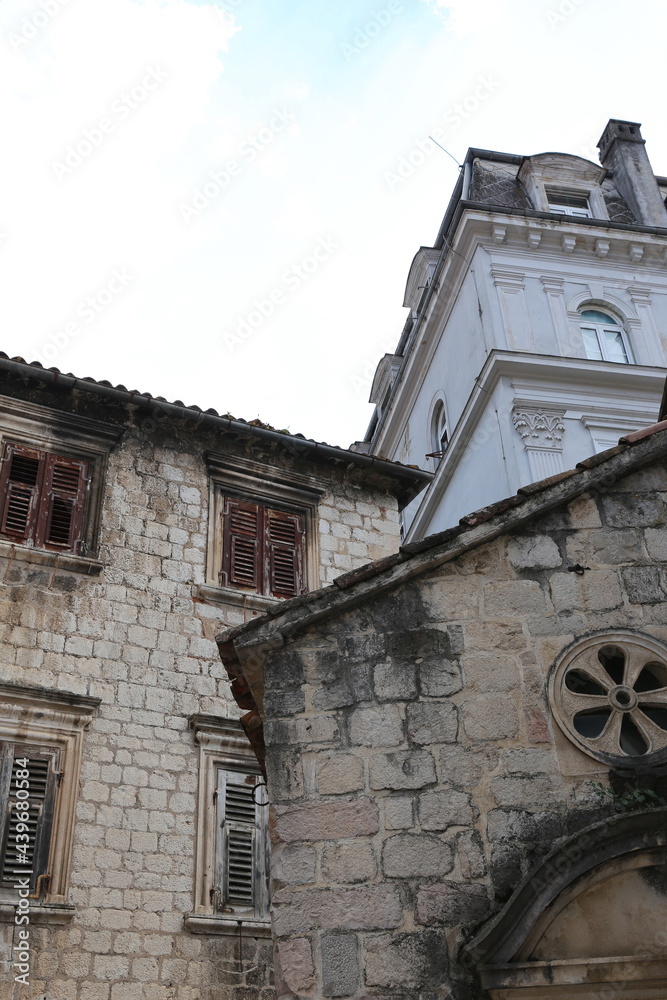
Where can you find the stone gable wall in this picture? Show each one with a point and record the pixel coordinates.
(139, 638)
(415, 771)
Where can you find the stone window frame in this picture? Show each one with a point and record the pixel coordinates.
(34, 426)
(54, 723)
(617, 326)
(222, 745)
(245, 479)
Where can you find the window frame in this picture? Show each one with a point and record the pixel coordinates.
(40, 428)
(224, 747)
(599, 329)
(233, 478)
(51, 724)
(572, 211)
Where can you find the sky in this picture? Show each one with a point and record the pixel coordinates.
(218, 201)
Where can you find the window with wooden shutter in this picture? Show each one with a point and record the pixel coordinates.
(42, 498)
(262, 549)
(241, 868)
(27, 796)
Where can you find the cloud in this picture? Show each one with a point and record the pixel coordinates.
(467, 16)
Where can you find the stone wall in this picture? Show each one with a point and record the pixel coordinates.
(415, 770)
(138, 636)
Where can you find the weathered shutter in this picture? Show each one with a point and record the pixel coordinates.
(241, 845)
(241, 544)
(61, 510)
(20, 481)
(284, 553)
(30, 861)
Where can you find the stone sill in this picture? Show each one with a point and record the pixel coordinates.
(47, 913)
(200, 923)
(44, 557)
(213, 594)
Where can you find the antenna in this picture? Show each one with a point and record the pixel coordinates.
(459, 165)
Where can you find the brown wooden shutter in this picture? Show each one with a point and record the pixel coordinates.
(284, 553)
(20, 482)
(241, 544)
(63, 496)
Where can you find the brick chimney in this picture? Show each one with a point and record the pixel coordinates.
(622, 150)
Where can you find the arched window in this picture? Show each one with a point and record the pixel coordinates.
(439, 432)
(604, 338)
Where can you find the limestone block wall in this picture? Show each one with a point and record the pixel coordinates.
(138, 636)
(415, 770)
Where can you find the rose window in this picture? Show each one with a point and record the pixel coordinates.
(609, 696)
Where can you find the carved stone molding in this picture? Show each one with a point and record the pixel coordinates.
(539, 428)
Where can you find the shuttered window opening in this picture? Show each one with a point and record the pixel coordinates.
(241, 868)
(27, 796)
(262, 549)
(42, 498)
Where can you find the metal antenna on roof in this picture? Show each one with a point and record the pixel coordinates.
(459, 165)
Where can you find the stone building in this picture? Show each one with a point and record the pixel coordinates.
(537, 325)
(466, 748)
(131, 531)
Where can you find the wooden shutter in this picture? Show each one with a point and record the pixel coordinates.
(241, 849)
(241, 544)
(33, 859)
(284, 553)
(20, 484)
(63, 497)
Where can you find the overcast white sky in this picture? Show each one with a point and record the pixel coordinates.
(200, 198)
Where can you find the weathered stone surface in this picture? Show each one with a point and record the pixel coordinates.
(517, 790)
(407, 855)
(402, 769)
(656, 543)
(440, 678)
(633, 510)
(438, 810)
(607, 547)
(451, 903)
(528, 760)
(595, 590)
(510, 597)
(295, 960)
(340, 965)
(470, 851)
(339, 685)
(494, 635)
(583, 513)
(406, 960)
(319, 729)
(533, 552)
(379, 726)
(294, 864)
(285, 774)
(339, 774)
(348, 862)
(452, 598)
(375, 907)
(327, 820)
(463, 767)
(516, 826)
(432, 722)
(642, 584)
(490, 717)
(395, 681)
(398, 812)
(485, 672)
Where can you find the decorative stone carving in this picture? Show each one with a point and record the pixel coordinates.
(602, 248)
(569, 243)
(539, 428)
(608, 694)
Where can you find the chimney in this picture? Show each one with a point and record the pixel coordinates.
(623, 153)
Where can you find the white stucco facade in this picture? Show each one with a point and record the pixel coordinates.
(495, 327)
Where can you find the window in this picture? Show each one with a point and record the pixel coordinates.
(262, 549)
(41, 739)
(568, 203)
(42, 498)
(439, 431)
(231, 864)
(604, 339)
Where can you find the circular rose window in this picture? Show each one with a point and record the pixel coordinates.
(609, 696)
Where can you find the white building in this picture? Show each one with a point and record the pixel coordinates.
(537, 332)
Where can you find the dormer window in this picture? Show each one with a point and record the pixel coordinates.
(572, 203)
(604, 340)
